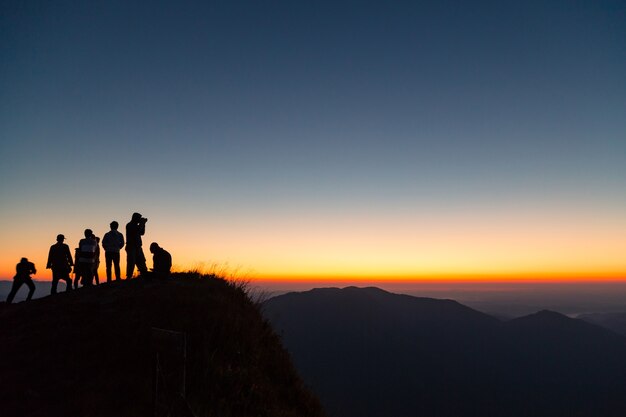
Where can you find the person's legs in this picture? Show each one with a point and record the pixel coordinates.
(115, 256)
(68, 281)
(86, 274)
(17, 283)
(77, 275)
(108, 258)
(55, 281)
(131, 253)
(31, 288)
(140, 260)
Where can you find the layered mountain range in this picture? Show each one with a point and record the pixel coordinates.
(368, 352)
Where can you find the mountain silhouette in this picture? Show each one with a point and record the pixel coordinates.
(368, 352)
(614, 321)
(93, 352)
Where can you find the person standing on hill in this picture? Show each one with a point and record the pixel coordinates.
(161, 261)
(134, 253)
(96, 264)
(60, 261)
(86, 259)
(112, 242)
(22, 276)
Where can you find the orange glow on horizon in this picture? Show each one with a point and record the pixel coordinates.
(487, 245)
(356, 280)
(486, 277)
(365, 279)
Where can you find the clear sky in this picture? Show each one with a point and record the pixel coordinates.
(321, 139)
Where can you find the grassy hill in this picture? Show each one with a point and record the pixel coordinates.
(93, 352)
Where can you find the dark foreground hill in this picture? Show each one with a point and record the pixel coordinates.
(367, 352)
(93, 352)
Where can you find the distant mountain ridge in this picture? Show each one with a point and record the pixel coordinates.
(42, 289)
(615, 321)
(368, 352)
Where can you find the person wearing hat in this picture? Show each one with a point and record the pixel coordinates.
(22, 276)
(60, 261)
(135, 228)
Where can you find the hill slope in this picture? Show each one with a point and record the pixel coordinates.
(92, 353)
(612, 321)
(367, 352)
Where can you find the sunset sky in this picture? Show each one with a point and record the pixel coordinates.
(321, 139)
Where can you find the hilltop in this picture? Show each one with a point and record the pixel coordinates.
(92, 352)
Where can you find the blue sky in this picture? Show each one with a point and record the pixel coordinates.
(242, 110)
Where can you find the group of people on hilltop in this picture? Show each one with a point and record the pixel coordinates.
(87, 259)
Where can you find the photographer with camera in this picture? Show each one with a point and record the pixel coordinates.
(134, 253)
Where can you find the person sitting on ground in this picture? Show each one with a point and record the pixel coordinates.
(60, 261)
(22, 276)
(161, 261)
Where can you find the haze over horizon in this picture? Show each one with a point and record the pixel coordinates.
(322, 140)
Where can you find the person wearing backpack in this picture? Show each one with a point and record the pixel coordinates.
(86, 259)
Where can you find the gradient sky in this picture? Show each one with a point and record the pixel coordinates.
(321, 139)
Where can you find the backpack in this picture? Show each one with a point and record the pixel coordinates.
(87, 250)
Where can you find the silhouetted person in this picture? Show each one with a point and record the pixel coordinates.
(22, 276)
(112, 242)
(134, 253)
(96, 264)
(86, 259)
(60, 261)
(77, 277)
(161, 261)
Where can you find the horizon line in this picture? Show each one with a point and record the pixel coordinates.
(412, 279)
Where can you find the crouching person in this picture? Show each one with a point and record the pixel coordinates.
(22, 276)
(161, 261)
